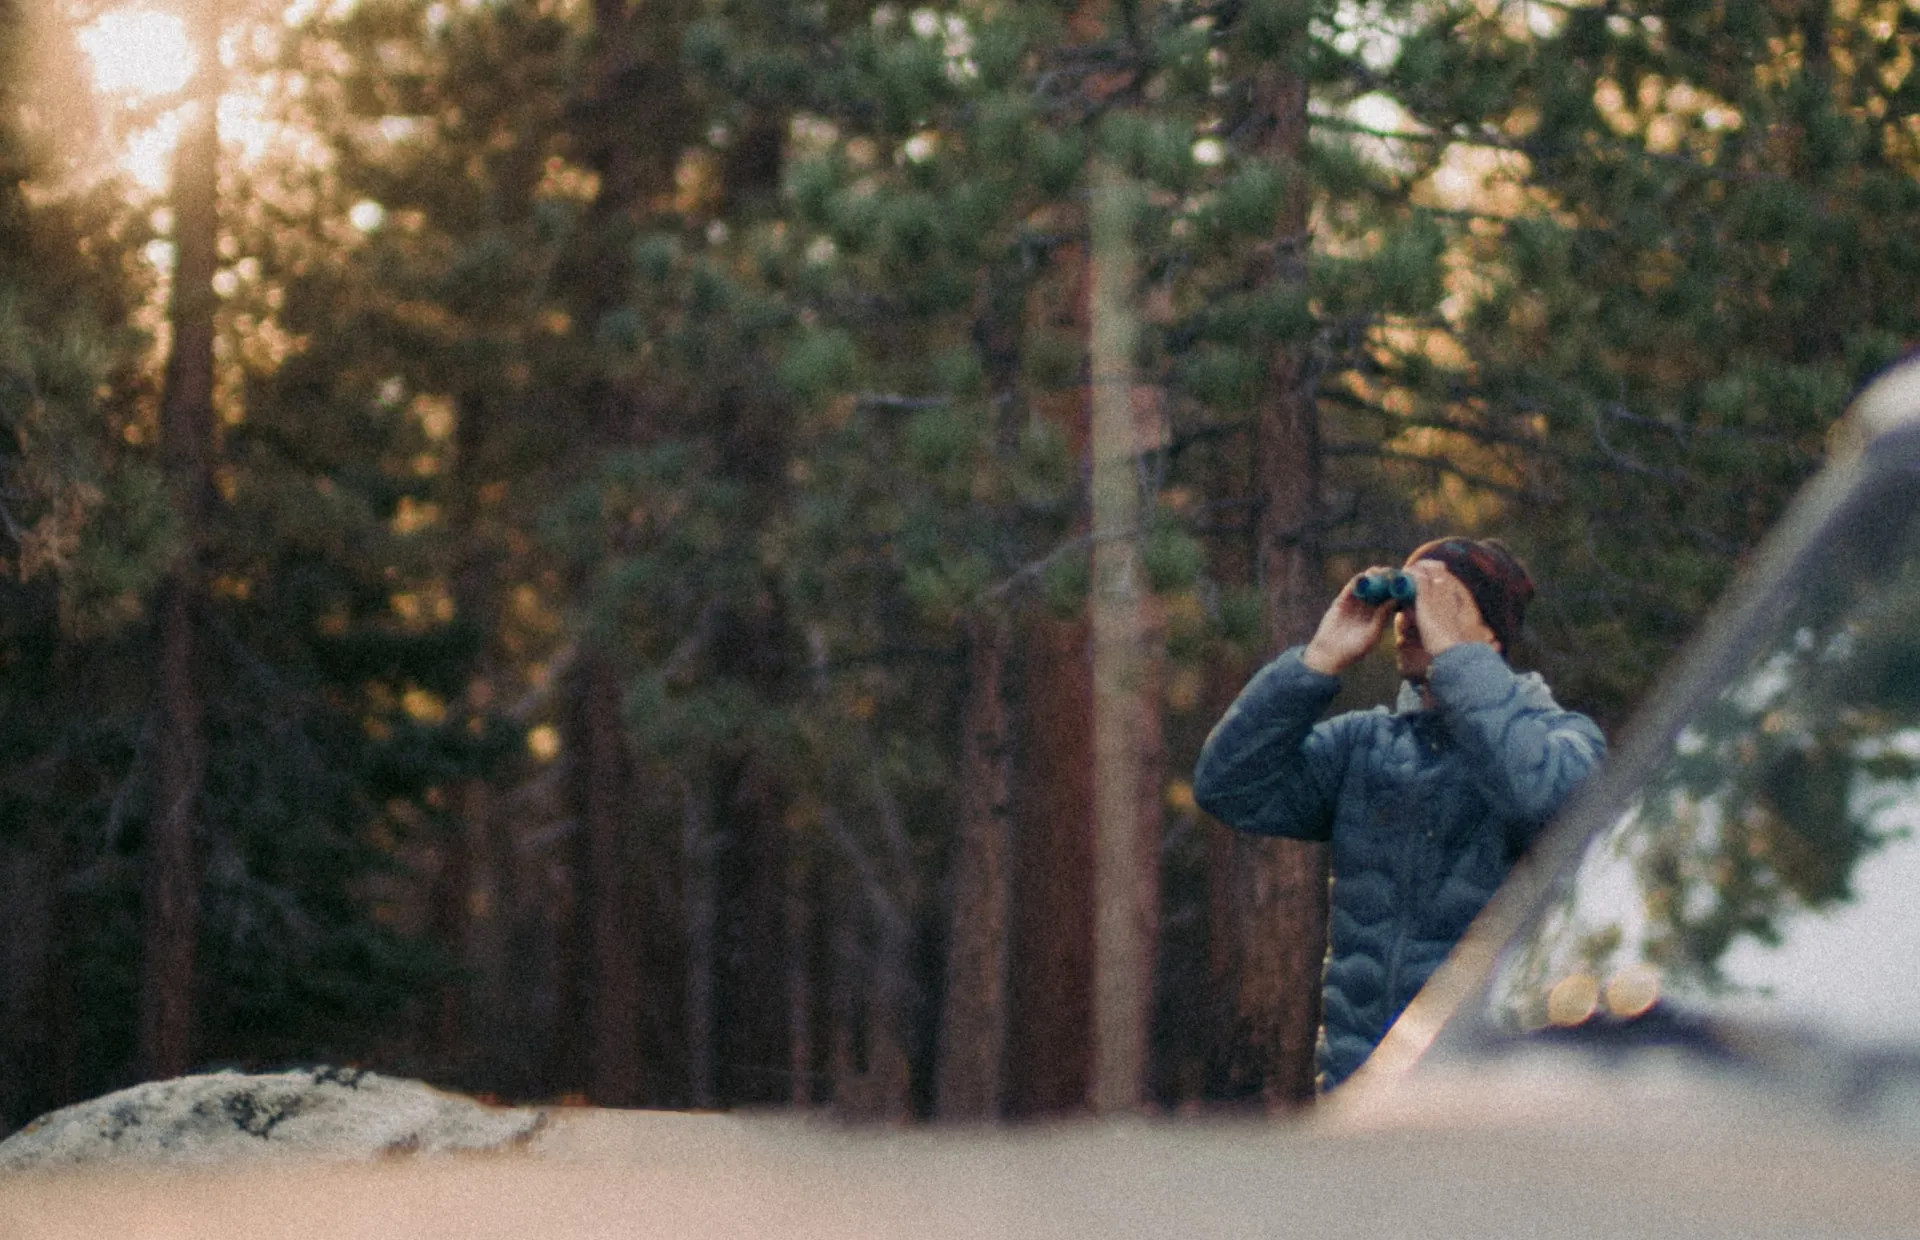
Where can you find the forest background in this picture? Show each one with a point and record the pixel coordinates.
(680, 552)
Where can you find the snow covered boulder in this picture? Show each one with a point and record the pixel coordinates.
(334, 1114)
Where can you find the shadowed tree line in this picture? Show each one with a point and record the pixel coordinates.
(680, 553)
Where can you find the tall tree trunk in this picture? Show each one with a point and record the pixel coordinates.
(449, 922)
(1050, 982)
(29, 881)
(889, 1063)
(1279, 887)
(470, 913)
(1051, 955)
(802, 901)
(970, 1075)
(597, 1039)
(847, 1000)
(1128, 755)
(479, 1034)
(1090, 813)
(630, 122)
(699, 909)
(974, 1033)
(752, 1004)
(873, 982)
(172, 894)
(605, 790)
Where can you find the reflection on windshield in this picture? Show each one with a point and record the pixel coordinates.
(1771, 861)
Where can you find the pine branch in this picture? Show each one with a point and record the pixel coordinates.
(1213, 432)
(888, 656)
(1438, 465)
(1617, 411)
(1686, 431)
(1032, 571)
(1536, 149)
(1478, 432)
(903, 404)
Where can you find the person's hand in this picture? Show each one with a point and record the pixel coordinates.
(1444, 610)
(1348, 630)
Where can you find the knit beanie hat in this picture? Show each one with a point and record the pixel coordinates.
(1497, 581)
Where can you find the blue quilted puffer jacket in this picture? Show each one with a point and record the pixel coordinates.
(1426, 809)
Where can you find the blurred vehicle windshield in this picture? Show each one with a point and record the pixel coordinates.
(1765, 871)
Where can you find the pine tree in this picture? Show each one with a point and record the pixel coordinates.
(1680, 232)
(711, 390)
(84, 533)
(427, 331)
(936, 225)
(310, 720)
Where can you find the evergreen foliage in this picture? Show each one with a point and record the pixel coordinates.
(1678, 238)
(83, 532)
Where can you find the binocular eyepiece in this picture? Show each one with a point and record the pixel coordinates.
(1377, 588)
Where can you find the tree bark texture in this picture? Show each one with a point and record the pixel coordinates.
(752, 1007)
(449, 917)
(596, 1048)
(1051, 980)
(699, 911)
(974, 1034)
(1052, 952)
(873, 982)
(970, 1072)
(802, 903)
(605, 790)
(29, 886)
(472, 909)
(1279, 888)
(172, 879)
(1128, 754)
(629, 123)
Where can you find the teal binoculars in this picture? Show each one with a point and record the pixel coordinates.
(1377, 588)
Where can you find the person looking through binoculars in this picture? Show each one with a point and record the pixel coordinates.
(1428, 804)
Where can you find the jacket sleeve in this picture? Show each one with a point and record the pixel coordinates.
(1527, 753)
(1267, 768)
